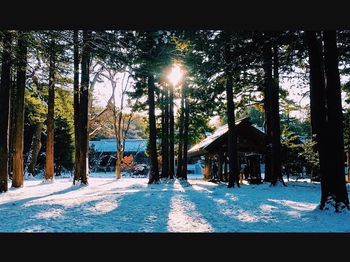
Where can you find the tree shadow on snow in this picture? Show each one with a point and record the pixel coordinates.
(223, 209)
(140, 211)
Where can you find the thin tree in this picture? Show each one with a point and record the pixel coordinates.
(49, 164)
(165, 132)
(18, 143)
(185, 135)
(84, 107)
(171, 133)
(181, 134)
(272, 52)
(154, 174)
(5, 86)
(121, 120)
(12, 120)
(35, 148)
(267, 67)
(77, 174)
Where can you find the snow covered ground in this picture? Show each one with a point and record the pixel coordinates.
(131, 205)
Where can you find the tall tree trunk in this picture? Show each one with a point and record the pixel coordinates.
(35, 148)
(5, 86)
(17, 180)
(232, 134)
(181, 131)
(77, 143)
(118, 165)
(318, 105)
(185, 138)
(120, 149)
(267, 66)
(171, 134)
(165, 134)
(154, 174)
(50, 160)
(275, 117)
(12, 123)
(337, 186)
(163, 131)
(84, 107)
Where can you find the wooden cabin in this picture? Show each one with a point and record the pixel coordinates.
(103, 152)
(251, 147)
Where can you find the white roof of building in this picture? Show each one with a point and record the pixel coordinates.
(110, 145)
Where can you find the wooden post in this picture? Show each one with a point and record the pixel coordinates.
(220, 166)
(258, 166)
(207, 167)
(225, 168)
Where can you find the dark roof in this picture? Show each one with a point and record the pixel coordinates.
(219, 138)
(110, 145)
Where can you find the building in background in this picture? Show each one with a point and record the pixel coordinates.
(103, 153)
(213, 149)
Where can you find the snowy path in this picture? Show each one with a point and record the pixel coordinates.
(130, 205)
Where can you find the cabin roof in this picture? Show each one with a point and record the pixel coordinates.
(219, 137)
(109, 145)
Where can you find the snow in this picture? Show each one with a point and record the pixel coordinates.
(131, 205)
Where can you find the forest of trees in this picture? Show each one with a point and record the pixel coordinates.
(48, 115)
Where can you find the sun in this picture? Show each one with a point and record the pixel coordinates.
(176, 74)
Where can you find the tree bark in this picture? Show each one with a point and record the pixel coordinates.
(35, 148)
(232, 134)
(165, 134)
(5, 86)
(50, 160)
(17, 179)
(181, 135)
(12, 123)
(84, 107)
(77, 143)
(267, 66)
(275, 117)
(154, 174)
(171, 134)
(318, 105)
(185, 138)
(120, 150)
(118, 164)
(337, 186)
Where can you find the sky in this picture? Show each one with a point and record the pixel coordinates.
(103, 91)
(297, 89)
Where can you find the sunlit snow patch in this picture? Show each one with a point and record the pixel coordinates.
(103, 207)
(52, 213)
(295, 205)
(183, 217)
